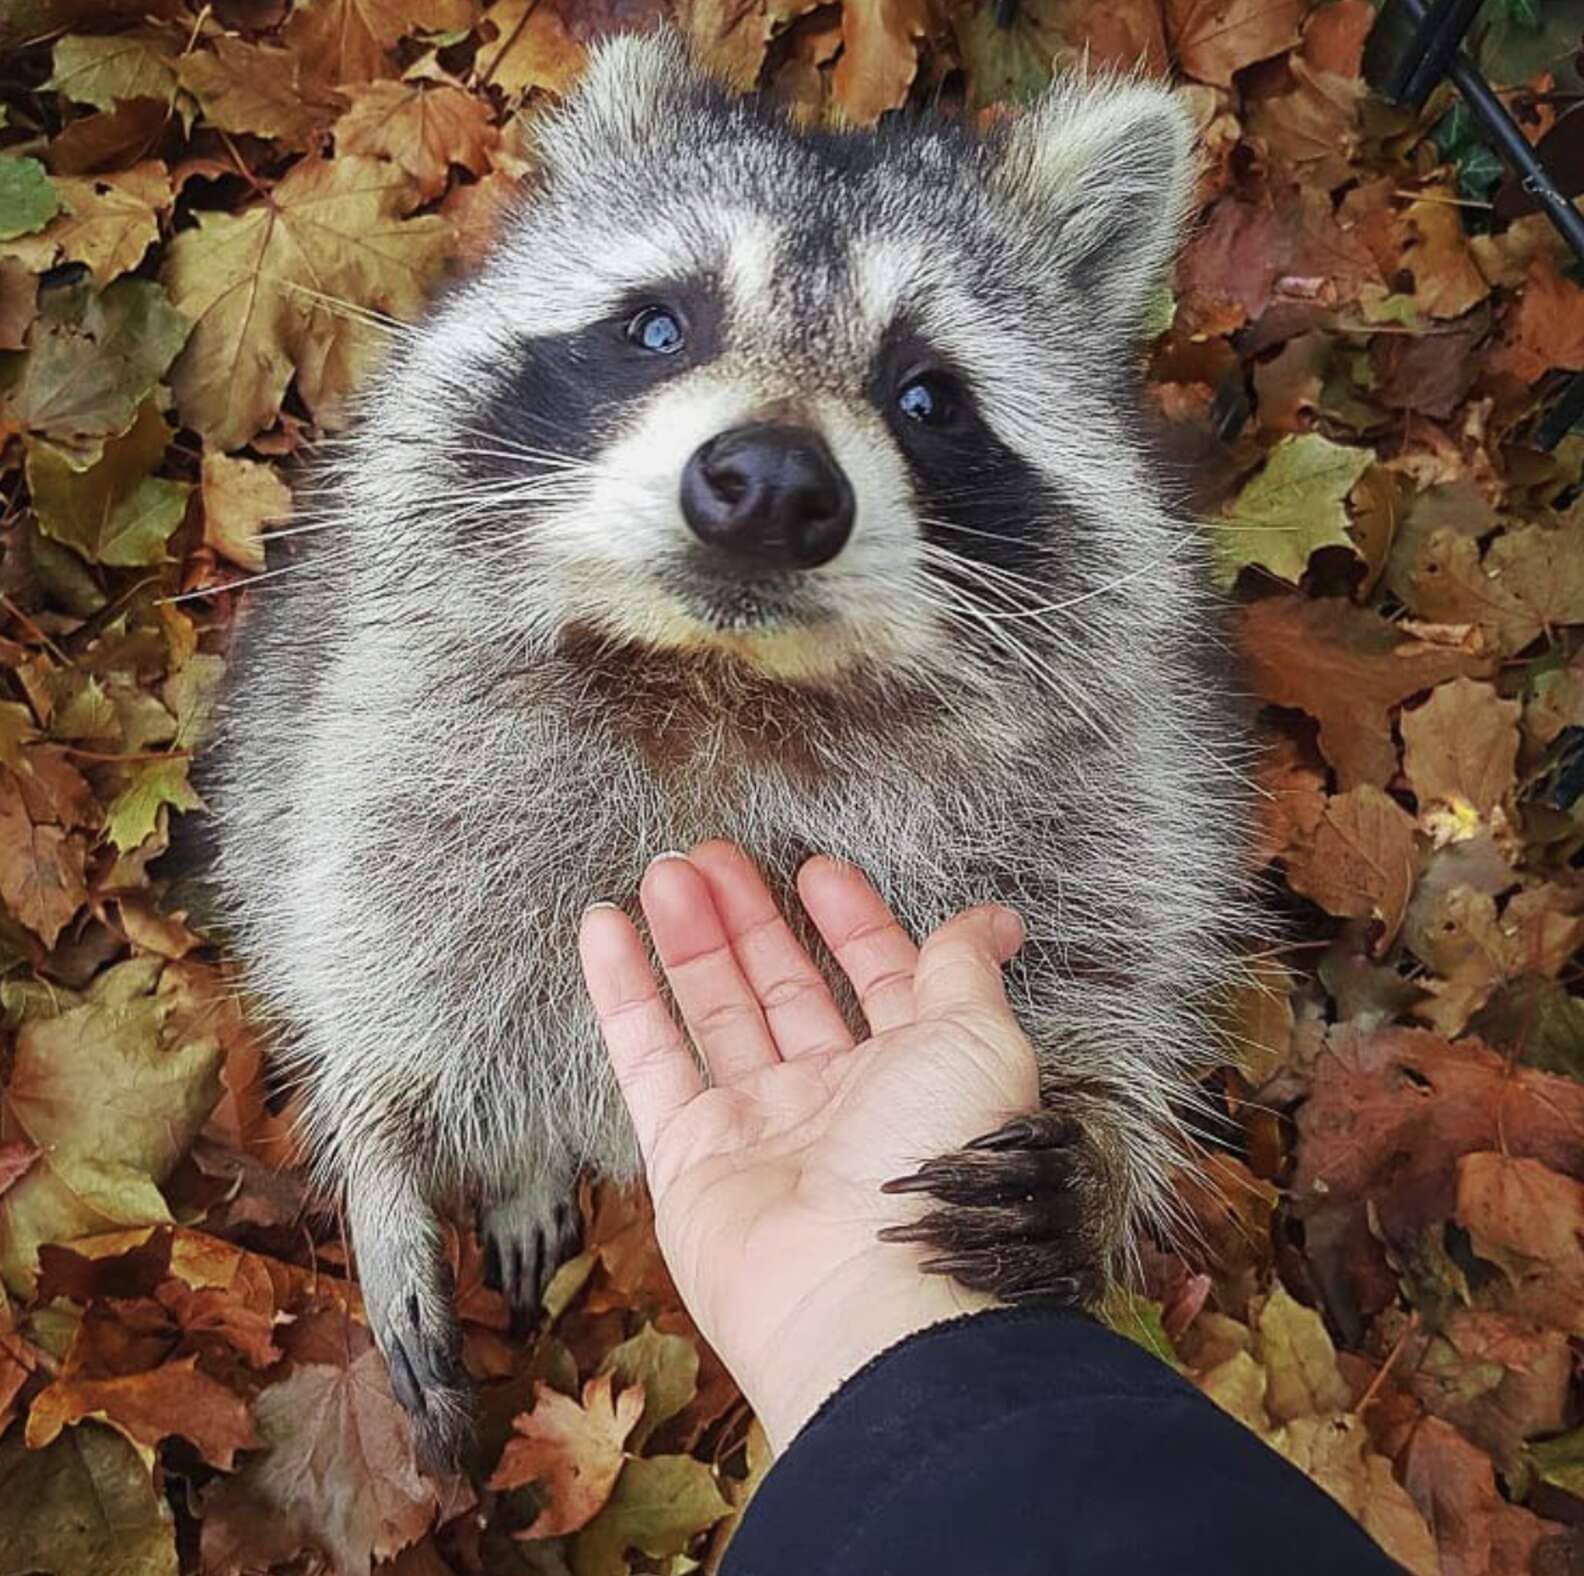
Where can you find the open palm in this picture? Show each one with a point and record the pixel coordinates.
(767, 1179)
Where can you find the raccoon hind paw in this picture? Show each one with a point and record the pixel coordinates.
(1020, 1213)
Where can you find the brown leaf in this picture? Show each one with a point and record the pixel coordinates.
(1385, 1126)
(1347, 668)
(174, 1399)
(1432, 242)
(108, 222)
(241, 500)
(424, 128)
(1546, 328)
(879, 59)
(257, 89)
(1359, 861)
(532, 48)
(347, 41)
(1213, 39)
(1477, 1532)
(1460, 748)
(573, 1451)
(16, 1157)
(42, 868)
(337, 1473)
(1529, 1220)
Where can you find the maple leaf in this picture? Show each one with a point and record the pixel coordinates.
(574, 1451)
(662, 1368)
(104, 70)
(1295, 505)
(1347, 668)
(660, 1504)
(338, 1473)
(346, 41)
(27, 198)
(240, 499)
(93, 358)
(1546, 328)
(41, 867)
(86, 1506)
(173, 1399)
(1461, 748)
(113, 511)
(257, 89)
(879, 59)
(255, 284)
(424, 129)
(113, 1104)
(107, 222)
(1213, 39)
(1359, 860)
(532, 48)
(134, 812)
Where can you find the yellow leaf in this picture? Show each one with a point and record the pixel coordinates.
(241, 498)
(423, 129)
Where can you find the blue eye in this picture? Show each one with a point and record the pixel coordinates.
(657, 328)
(928, 399)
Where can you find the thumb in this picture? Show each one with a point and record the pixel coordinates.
(959, 966)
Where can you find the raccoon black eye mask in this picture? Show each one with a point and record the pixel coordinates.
(776, 486)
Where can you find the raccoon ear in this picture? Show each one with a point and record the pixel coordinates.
(636, 86)
(1106, 170)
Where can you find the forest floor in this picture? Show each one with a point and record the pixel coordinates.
(1388, 1281)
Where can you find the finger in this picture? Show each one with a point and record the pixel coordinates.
(792, 994)
(654, 1068)
(874, 951)
(717, 1003)
(959, 967)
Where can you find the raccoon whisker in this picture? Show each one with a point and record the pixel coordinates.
(230, 585)
(370, 317)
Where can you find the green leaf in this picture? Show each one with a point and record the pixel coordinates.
(1478, 172)
(666, 1366)
(1004, 65)
(659, 1506)
(100, 70)
(1139, 1319)
(27, 200)
(1455, 132)
(134, 812)
(94, 358)
(1538, 1019)
(1295, 505)
(1560, 1462)
(113, 512)
(84, 1506)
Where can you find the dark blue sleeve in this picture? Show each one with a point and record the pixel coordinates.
(1027, 1443)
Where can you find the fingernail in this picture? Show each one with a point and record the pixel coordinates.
(669, 853)
(602, 903)
(1008, 929)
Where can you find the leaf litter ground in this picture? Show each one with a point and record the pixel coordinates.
(200, 207)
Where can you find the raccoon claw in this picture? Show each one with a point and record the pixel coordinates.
(1019, 1217)
(423, 1358)
(525, 1242)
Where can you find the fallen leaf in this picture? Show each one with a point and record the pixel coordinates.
(104, 70)
(879, 58)
(241, 498)
(84, 1507)
(660, 1504)
(1347, 667)
(533, 48)
(1529, 1220)
(1460, 748)
(337, 1473)
(28, 200)
(424, 129)
(1545, 328)
(257, 89)
(664, 1368)
(1359, 861)
(573, 1451)
(114, 511)
(107, 222)
(42, 868)
(347, 41)
(1213, 39)
(93, 358)
(255, 285)
(134, 812)
(172, 1400)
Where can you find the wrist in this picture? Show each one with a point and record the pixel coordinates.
(863, 1307)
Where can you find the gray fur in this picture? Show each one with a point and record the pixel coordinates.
(421, 787)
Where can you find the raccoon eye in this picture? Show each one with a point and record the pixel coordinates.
(929, 399)
(657, 328)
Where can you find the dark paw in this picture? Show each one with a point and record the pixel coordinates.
(527, 1238)
(423, 1352)
(1021, 1215)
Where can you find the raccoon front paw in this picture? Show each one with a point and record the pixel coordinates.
(1021, 1213)
(527, 1237)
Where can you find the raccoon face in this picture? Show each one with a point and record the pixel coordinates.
(816, 400)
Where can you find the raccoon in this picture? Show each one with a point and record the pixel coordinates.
(777, 484)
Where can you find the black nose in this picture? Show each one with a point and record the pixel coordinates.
(770, 495)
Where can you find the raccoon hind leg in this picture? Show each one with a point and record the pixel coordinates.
(1023, 1213)
(528, 1233)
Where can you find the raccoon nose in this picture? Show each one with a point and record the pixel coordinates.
(770, 494)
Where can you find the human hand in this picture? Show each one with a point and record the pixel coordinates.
(767, 1183)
